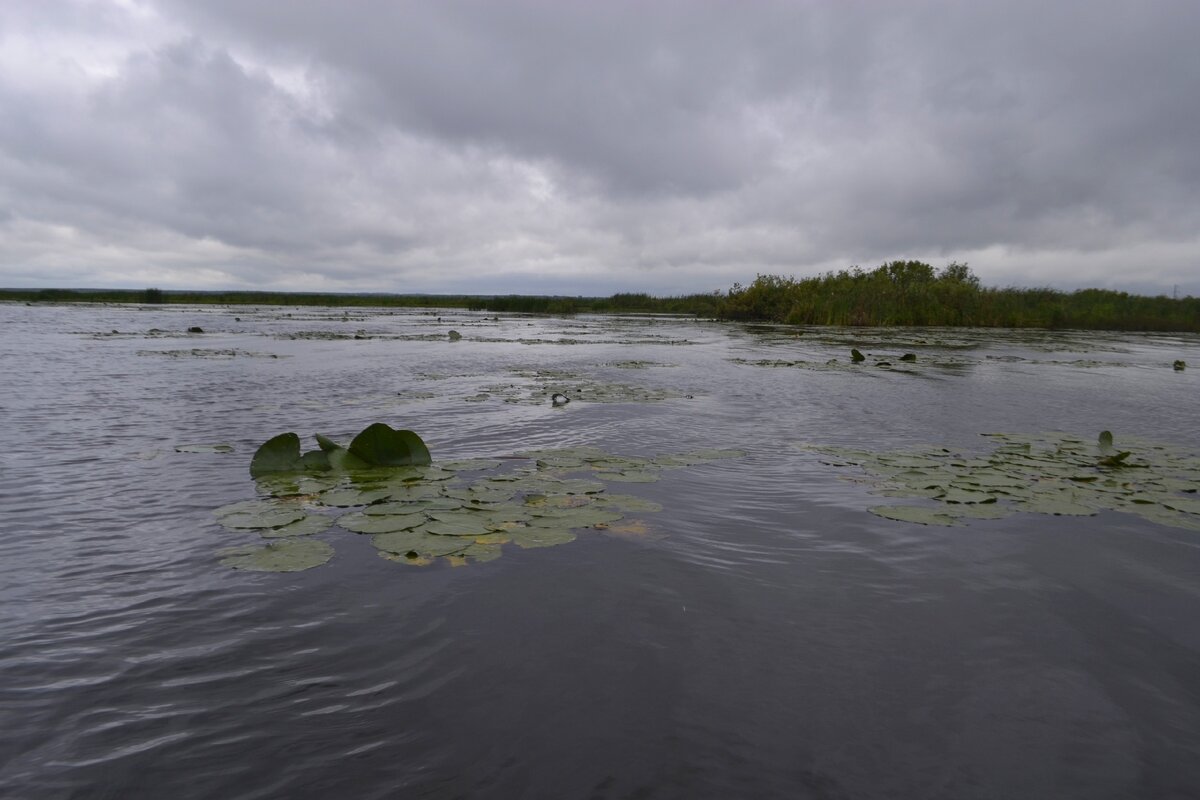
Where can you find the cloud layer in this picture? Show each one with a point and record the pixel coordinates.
(591, 148)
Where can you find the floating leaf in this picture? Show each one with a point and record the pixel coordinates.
(1106, 441)
(460, 525)
(628, 477)
(918, 514)
(347, 496)
(856, 356)
(470, 464)
(382, 445)
(307, 526)
(1057, 507)
(204, 448)
(286, 555)
(253, 514)
(955, 495)
(541, 537)
(418, 541)
(627, 503)
(363, 523)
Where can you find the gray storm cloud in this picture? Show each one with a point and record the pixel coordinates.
(591, 148)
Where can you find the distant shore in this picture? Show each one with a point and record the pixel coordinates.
(899, 293)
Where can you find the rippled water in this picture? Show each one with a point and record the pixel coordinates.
(770, 639)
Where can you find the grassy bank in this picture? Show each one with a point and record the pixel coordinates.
(897, 293)
(913, 293)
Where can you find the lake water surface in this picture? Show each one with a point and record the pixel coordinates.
(763, 635)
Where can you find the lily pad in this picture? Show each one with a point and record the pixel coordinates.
(419, 542)
(628, 503)
(253, 514)
(628, 477)
(309, 525)
(204, 448)
(285, 555)
(347, 496)
(541, 537)
(918, 514)
(363, 523)
(1057, 507)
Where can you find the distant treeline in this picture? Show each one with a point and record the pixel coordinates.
(913, 293)
(897, 293)
(697, 304)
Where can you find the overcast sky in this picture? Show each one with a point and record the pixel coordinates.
(594, 147)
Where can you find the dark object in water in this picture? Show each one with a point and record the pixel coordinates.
(1180, 365)
(195, 329)
(559, 399)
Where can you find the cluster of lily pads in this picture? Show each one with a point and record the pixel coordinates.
(419, 512)
(1047, 473)
(535, 386)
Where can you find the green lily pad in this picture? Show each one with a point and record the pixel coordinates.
(628, 477)
(459, 525)
(1190, 505)
(252, 514)
(285, 555)
(956, 495)
(627, 503)
(363, 523)
(918, 514)
(573, 517)
(1057, 507)
(989, 511)
(481, 552)
(470, 464)
(309, 525)
(419, 542)
(541, 537)
(347, 496)
(204, 448)
(291, 485)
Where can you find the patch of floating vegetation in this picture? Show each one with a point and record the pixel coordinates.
(899, 363)
(539, 386)
(636, 364)
(153, 333)
(1047, 473)
(418, 513)
(201, 352)
(204, 448)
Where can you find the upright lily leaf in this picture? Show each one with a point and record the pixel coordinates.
(856, 356)
(381, 445)
(1106, 441)
(279, 454)
(326, 444)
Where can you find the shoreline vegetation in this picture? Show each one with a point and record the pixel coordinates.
(899, 293)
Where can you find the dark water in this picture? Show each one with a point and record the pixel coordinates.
(773, 639)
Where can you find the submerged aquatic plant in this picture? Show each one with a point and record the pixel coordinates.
(1047, 473)
(417, 513)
